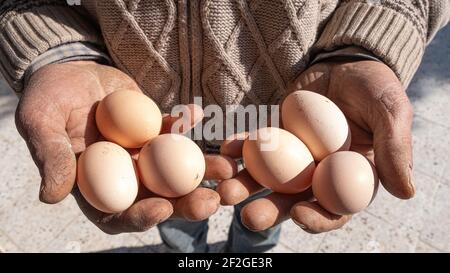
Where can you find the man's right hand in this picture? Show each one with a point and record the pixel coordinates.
(55, 117)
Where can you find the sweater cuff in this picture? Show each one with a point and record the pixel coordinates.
(350, 52)
(77, 51)
(26, 32)
(388, 34)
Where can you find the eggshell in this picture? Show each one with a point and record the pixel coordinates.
(171, 165)
(278, 160)
(317, 121)
(128, 118)
(106, 177)
(345, 183)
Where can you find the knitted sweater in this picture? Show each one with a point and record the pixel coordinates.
(226, 51)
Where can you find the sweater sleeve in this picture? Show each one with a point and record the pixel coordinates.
(395, 31)
(30, 28)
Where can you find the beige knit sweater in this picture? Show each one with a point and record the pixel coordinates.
(227, 51)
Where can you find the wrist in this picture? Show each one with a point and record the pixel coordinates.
(77, 53)
(346, 54)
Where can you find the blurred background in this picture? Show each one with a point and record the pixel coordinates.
(388, 225)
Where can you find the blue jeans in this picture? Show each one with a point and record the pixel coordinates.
(187, 237)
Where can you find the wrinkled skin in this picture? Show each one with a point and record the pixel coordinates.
(55, 117)
(380, 118)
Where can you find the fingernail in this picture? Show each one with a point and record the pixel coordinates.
(42, 196)
(302, 226)
(41, 189)
(411, 178)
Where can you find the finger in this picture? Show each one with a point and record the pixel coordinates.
(198, 205)
(391, 127)
(314, 219)
(134, 153)
(141, 216)
(316, 78)
(266, 212)
(219, 167)
(362, 141)
(235, 190)
(51, 151)
(232, 146)
(192, 114)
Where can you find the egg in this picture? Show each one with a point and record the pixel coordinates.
(278, 160)
(171, 165)
(317, 121)
(106, 177)
(345, 182)
(128, 118)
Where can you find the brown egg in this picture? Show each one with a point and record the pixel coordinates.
(345, 182)
(106, 177)
(171, 165)
(278, 160)
(128, 118)
(317, 121)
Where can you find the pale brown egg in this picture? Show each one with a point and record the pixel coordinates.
(128, 118)
(345, 182)
(107, 178)
(317, 121)
(171, 165)
(278, 160)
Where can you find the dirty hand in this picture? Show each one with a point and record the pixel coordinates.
(55, 117)
(380, 118)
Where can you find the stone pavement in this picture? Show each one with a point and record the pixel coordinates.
(389, 225)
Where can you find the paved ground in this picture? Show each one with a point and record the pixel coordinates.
(389, 225)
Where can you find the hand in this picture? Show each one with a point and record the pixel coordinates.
(380, 118)
(55, 117)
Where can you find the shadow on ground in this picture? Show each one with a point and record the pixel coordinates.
(8, 100)
(432, 70)
(159, 248)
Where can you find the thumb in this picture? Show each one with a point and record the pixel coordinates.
(391, 125)
(52, 153)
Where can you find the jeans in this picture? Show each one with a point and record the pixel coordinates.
(187, 237)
